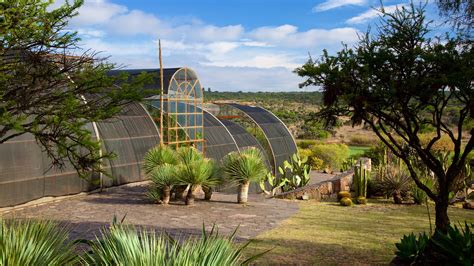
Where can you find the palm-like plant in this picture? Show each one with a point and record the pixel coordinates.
(34, 242)
(243, 168)
(160, 166)
(159, 156)
(195, 170)
(164, 178)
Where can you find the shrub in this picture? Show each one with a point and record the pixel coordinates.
(305, 153)
(392, 181)
(361, 140)
(410, 247)
(345, 202)
(314, 162)
(124, 243)
(33, 242)
(343, 194)
(419, 196)
(361, 200)
(457, 245)
(444, 144)
(333, 155)
(306, 144)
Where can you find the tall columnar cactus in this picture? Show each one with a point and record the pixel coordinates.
(361, 176)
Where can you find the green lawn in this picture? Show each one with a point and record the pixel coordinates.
(326, 233)
(357, 150)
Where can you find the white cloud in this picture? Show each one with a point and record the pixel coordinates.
(274, 33)
(289, 36)
(135, 22)
(96, 12)
(331, 4)
(259, 61)
(227, 57)
(372, 13)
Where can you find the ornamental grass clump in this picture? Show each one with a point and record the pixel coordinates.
(35, 242)
(128, 245)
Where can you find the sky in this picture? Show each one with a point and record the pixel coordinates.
(244, 45)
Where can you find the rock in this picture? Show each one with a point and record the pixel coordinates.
(305, 196)
(468, 205)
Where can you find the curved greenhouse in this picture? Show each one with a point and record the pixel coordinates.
(174, 117)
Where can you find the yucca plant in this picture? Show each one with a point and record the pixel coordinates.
(202, 172)
(159, 156)
(160, 166)
(127, 245)
(164, 178)
(34, 242)
(243, 168)
(212, 249)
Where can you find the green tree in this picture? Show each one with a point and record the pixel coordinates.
(460, 13)
(50, 88)
(397, 82)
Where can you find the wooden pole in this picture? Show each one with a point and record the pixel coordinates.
(161, 93)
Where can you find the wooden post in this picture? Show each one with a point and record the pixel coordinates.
(161, 93)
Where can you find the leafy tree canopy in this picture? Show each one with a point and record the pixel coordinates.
(398, 81)
(51, 88)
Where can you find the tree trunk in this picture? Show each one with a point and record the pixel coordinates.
(190, 196)
(243, 192)
(179, 192)
(166, 190)
(207, 193)
(442, 219)
(397, 197)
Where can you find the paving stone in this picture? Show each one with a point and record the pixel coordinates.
(87, 214)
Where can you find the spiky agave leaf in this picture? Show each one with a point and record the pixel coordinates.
(188, 155)
(34, 242)
(245, 166)
(159, 156)
(211, 249)
(165, 175)
(126, 245)
(202, 172)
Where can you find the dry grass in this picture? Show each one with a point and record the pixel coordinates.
(327, 234)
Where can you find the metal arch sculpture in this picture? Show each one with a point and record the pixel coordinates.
(181, 106)
(281, 142)
(219, 141)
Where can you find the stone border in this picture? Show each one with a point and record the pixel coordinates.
(324, 190)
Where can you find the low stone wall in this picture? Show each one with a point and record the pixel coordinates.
(324, 190)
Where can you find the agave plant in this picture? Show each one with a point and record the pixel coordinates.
(164, 178)
(243, 168)
(34, 242)
(198, 173)
(159, 156)
(127, 245)
(195, 171)
(160, 166)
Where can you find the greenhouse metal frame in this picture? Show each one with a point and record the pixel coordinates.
(176, 116)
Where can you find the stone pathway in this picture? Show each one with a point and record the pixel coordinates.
(87, 214)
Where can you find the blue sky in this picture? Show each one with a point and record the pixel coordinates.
(232, 45)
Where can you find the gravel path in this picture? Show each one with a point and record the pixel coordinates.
(86, 214)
